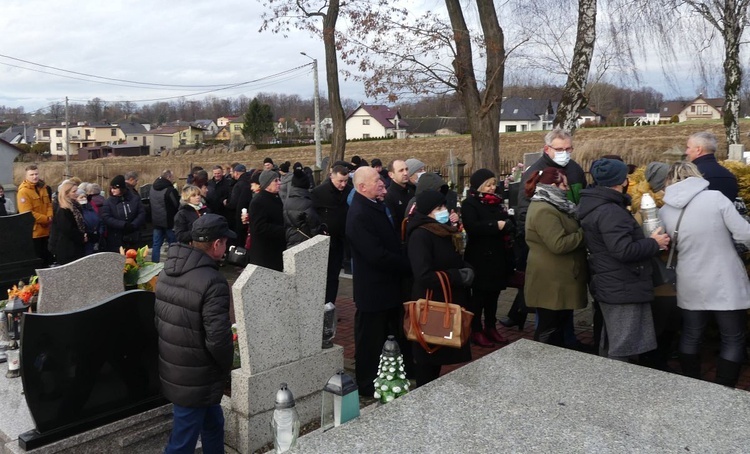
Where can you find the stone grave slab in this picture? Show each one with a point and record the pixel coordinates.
(79, 284)
(531, 397)
(18, 259)
(279, 328)
(530, 158)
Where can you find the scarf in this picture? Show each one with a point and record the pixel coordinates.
(441, 230)
(485, 198)
(555, 197)
(78, 215)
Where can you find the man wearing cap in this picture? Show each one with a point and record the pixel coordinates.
(286, 177)
(33, 197)
(415, 168)
(701, 147)
(619, 262)
(239, 199)
(124, 215)
(378, 265)
(195, 336)
(165, 201)
(267, 230)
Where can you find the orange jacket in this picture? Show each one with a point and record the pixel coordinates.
(36, 200)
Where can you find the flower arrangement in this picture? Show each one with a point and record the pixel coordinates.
(25, 291)
(236, 360)
(138, 272)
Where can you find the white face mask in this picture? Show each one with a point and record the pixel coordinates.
(561, 158)
(82, 202)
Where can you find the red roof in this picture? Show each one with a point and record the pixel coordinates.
(383, 114)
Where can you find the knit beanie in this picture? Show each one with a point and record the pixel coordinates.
(656, 175)
(429, 200)
(300, 180)
(609, 172)
(266, 177)
(414, 165)
(284, 167)
(479, 177)
(255, 176)
(117, 182)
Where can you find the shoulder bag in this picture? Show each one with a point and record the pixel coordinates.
(435, 324)
(666, 273)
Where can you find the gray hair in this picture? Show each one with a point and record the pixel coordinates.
(94, 189)
(557, 133)
(705, 140)
(682, 170)
(167, 174)
(131, 175)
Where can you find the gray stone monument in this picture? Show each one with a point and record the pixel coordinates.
(736, 152)
(79, 284)
(530, 158)
(279, 327)
(8, 154)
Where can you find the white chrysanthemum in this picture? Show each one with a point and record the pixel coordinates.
(389, 398)
(396, 389)
(384, 388)
(402, 376)
(391, 369)
(389, 377)
(376, 395)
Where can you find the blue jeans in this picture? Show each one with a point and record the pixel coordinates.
(159, 234)
(732, 327)
(208, 422)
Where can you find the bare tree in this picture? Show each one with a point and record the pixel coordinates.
(303, 15)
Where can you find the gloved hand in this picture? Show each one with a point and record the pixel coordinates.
(510, 227)
(467, 276)
(128, 228)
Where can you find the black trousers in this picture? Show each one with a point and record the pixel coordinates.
(484, 301)
(550, 326)
(732, 327)
(42, 251)
(335, 257)
(371, 330)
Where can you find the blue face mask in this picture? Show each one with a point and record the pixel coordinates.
(442, 216)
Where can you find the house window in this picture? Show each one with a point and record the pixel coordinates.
(135, 137)
(237, 127)
(58, 132)
(365, 136)
(59, 147)
(705, 109)
(366, 122)
(501, 111)
(524, 127)
(45, 133)
(692, 109)
(113, 132)
(184, 134)
(510, 128)
(515, 111)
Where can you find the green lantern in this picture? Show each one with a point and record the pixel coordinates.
(340, 401)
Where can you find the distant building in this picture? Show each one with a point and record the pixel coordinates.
(223, 121)
(19, 134)
(526, 114)
(369, 121)
(436, 126)
(171, 137)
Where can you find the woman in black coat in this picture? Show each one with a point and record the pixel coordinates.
(124, 215)
(431, 248)
(267, 232)
(191, 208)
(489, 251)
(300, 218)
(68, 232)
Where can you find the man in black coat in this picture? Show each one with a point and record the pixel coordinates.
(329, 201)
(378, 264)
(399, 192)
(195, 336)
(267, 231)
(701, 147)
(165, 201)
(239, 199)
(219, 190)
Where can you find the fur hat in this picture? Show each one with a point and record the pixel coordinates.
(479, 177)
(656, 175)
(266, 177)
(609, 172)
(300, 180)
(429, 200)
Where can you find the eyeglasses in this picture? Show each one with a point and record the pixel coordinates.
(560, 150)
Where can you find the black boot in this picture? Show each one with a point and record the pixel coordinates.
(691, 365)
(727, 372)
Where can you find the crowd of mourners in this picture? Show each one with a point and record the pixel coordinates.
(565, 241)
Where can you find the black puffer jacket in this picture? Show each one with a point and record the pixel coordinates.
(183, 222)
(116, 213)
(165, 201)
(300, 219)
(195, 334)
(619, 253)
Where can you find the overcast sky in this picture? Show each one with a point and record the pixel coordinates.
(185, 42)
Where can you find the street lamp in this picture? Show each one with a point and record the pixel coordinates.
(316, 100)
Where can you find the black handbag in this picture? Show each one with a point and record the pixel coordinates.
(237, 256)
(666, 273)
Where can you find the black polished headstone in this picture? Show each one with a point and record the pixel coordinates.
(18, 259)
(87, 368)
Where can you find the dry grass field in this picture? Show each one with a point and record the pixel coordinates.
(637, 145)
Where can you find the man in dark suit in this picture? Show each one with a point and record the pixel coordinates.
(701, 147)
(399, 192)
(378, 266)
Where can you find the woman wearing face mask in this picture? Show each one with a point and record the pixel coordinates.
(489, 251)
(556, 271)
(431, 248)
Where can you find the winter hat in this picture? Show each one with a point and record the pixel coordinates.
(479, 177)
(297, 165)
(609, 172)
(356, 161)
(284, 167)
(117, 182)
(268, 161)
(210, 227)
(255, 177)
(240, 168)
(429, 200)
(299, 180)
(414, 165)
(656, 174)
(266, 177)
(377, 163)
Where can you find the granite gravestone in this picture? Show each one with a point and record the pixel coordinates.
(87, 368)
(81, 283)
(279, 327)
(8, 154)
(18, 260)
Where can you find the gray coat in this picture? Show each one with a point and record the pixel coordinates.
(710, 274)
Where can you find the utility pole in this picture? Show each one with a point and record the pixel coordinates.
(67, 141)
(316, 101)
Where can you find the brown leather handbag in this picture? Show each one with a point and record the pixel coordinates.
(436, 324)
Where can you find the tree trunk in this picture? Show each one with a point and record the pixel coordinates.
(338, 136)
(732, 32)
(482, 109)
(574, 98)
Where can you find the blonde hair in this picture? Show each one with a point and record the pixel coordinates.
(188, 191)
(62, 194)
(682, 170)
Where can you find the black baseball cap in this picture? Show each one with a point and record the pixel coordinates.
(210, 227)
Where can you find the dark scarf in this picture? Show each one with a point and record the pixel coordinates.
(78, 215)
(555, 197)
(441, 230)
(485, 198)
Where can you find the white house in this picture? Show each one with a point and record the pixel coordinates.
(375, 121)
(526, 114)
